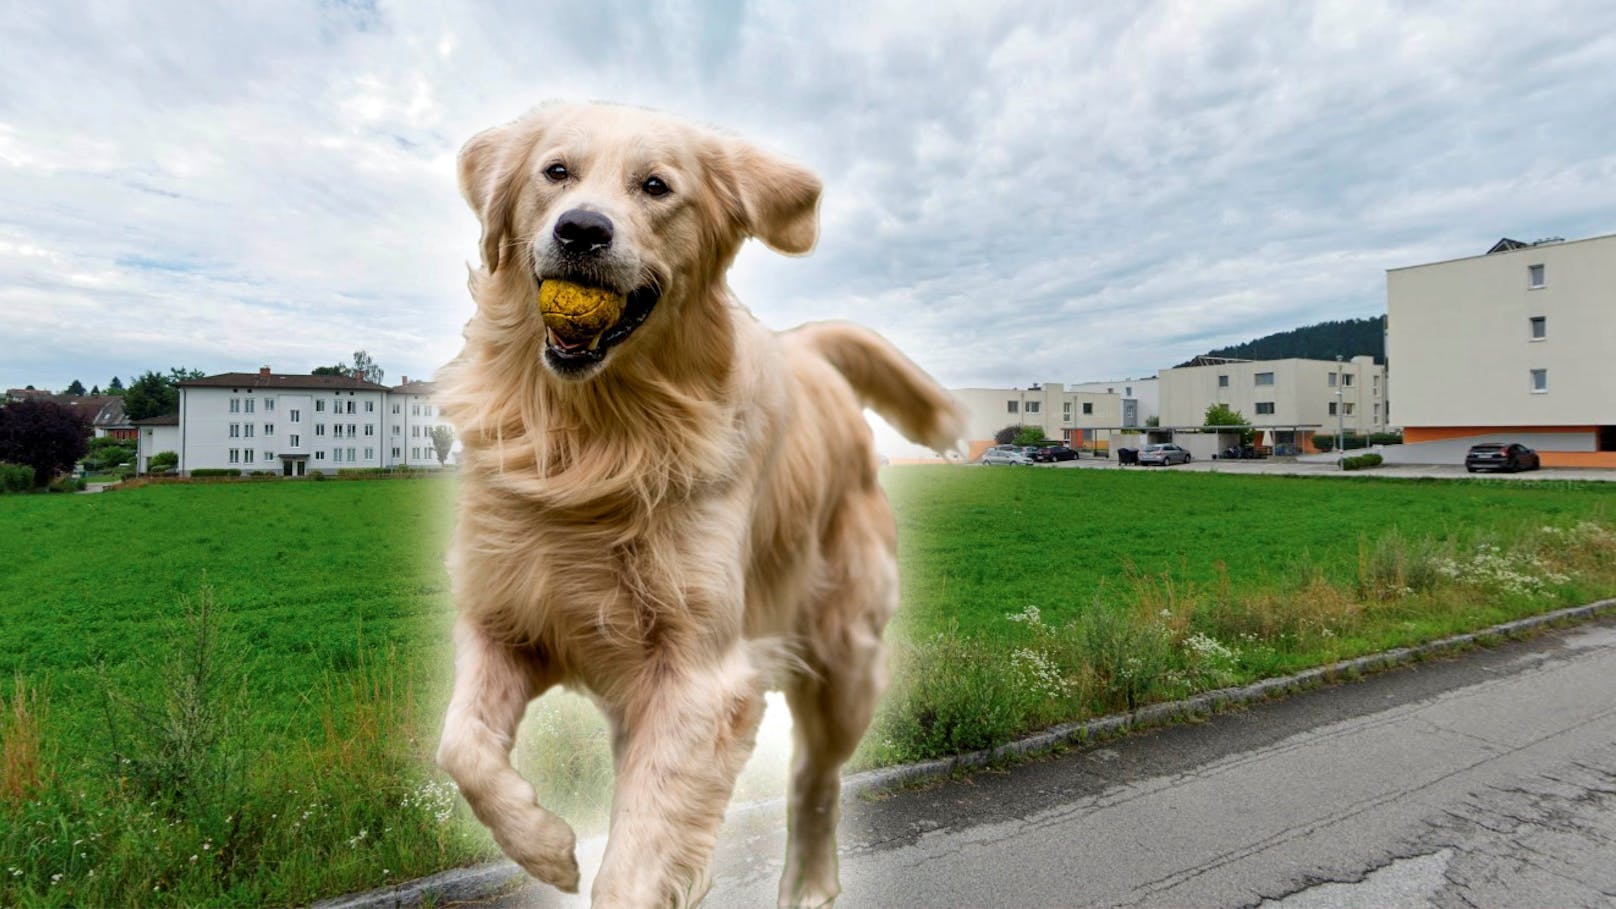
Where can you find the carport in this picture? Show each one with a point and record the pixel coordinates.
(1205, 441)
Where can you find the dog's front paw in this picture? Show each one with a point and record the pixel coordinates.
(544, 845)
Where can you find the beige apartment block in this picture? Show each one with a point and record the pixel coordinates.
(1289, 396)
(1516, 344)
(1072, 417)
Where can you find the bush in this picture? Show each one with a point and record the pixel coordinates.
(124, 473)
(316, 474)
(1323, 442)
(1359, 462)
(16, 478)
(217, 472)
(163, 460)
(1385, 438)
(67, 484)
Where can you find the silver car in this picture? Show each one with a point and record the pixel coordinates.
(1165, 454)
(1011, 456)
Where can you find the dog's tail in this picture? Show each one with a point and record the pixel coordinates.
(889, 382)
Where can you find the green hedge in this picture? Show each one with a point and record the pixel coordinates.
(1359, 462)
(216, 472)
(16, 478)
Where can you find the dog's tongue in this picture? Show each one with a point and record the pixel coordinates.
(568, 346)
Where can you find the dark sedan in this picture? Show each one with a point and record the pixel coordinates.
(1048, 454)
(1505, 456)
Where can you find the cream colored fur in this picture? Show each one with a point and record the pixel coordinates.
(692, 523)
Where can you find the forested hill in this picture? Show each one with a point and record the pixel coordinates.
(1348, 338)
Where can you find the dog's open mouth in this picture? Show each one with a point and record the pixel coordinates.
(575, 335)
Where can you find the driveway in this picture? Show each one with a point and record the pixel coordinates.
(1484, 780)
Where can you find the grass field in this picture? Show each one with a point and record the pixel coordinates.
(278, 749)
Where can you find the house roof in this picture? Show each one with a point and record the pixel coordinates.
(414, 388)
(281, 380)
(167, 419)
(1506, 244)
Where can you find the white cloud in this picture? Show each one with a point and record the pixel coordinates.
(1012, 193)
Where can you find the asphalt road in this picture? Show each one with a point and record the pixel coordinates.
(1484, 780)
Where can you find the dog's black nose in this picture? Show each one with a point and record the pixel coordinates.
(583, 232)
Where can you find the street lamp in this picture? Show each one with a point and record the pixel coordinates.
(1340, 417)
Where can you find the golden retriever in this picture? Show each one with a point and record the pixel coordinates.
(674, 517)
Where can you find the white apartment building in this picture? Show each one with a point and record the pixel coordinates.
(294, 424)
(1069, 416)
(1291, 398)
(1141, 398)
(1513, 345)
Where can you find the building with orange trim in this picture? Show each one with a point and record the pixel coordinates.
(1517, 344)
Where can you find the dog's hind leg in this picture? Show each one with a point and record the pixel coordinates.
(685, 734)
(493, 685)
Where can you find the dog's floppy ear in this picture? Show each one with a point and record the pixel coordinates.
(777, 200)
(492, 174)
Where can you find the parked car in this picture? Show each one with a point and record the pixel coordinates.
(1005, 455)
(1048, 454)
(1505, 456)
(1164, 453)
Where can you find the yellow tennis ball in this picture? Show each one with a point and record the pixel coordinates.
(578, 313)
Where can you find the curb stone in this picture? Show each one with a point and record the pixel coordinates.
(466, 884)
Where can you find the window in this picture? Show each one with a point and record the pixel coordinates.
(1346, 379)
(1128, 391)
(235, 405)
(415, 431)
(395, 452)
(1265, 407)
(1330, 380)
(319, 407)
(235, 456)
(415, 410)
(1377, 413)
(336, 455)
(295, 441)
(1347, 409)
(1540, 327)
(353, 431)
(247, 431)
(1013, 406)
(319, 429)
(1332, 408)
(370, 454)
(1540, 381)
(1534, 276)
(269, 429)
(1066, 411)
(1223, 380)
(250, 405)
(370, 429)
(351, 457)
(1264, 378)
(235, 430)
(397, 429)
(319, 455)
(269, 405)
(1088, 407)
(296, 415)
(249, 453)
(1375, 383)
(415, 453)
(350, 406)
(370, 407)
(1032, 406)
(396, 409)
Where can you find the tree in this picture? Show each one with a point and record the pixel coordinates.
(94, 391)
(161, 461)
(115, 387)
(107, 452)
(178, 374)
(76, 389)
(365, 368)
(151, 395)
(1029, 435)
(1222, 415)
(339, 369)
(43, 435)
(1008, 434)
(442, 440)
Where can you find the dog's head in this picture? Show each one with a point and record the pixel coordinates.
(631, 202)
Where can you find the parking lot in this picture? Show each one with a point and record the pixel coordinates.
(1327, 467)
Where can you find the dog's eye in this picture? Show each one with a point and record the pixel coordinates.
(556, 172)
(654, 186)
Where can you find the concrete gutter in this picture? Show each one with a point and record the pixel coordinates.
(467, 884)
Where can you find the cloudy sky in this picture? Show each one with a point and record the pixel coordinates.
(1013, 192)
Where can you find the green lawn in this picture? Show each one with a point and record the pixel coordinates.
(330, 670)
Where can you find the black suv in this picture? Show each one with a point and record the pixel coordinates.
(1048, 454)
